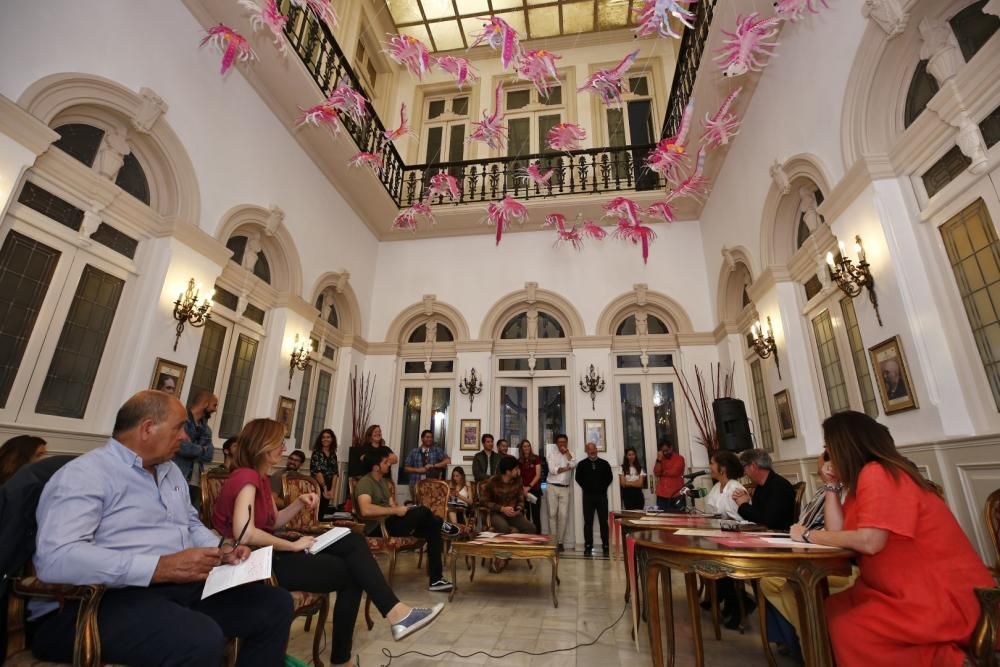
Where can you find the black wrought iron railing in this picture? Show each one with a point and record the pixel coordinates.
(592, 170)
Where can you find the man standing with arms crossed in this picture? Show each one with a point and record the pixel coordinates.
(560, 475)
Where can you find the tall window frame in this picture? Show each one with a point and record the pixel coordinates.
(445, 126)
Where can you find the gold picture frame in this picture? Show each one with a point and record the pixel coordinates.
(892, 374)
(470, 430)
(285, 414)
(168, 376)
(595, 431)
(786, 421)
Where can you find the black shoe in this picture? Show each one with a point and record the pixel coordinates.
(560, 548)
(606, 551)
(731, 622)
(706, 604)
(588, 552)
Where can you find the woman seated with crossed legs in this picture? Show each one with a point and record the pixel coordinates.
(346, 567)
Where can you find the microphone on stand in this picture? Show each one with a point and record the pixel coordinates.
(692, 475)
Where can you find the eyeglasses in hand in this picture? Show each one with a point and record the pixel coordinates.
(228, 548)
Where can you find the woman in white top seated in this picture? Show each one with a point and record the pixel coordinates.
(726, 470)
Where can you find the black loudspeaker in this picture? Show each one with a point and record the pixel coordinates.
(732, 424)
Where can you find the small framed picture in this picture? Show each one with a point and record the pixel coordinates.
(893, 376)
(594, 431)
(470, 430)
(783, 406)
(169, 377)
(286, 413)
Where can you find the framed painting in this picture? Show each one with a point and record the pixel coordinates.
(783, 406)
(169, 377)
(893, 376)
(470, 430)
(595, 431)
(285, 413)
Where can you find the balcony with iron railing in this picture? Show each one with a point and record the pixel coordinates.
(580, 172)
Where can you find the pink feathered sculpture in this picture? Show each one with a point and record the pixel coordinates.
(371, 160)
(441, 184)
(539, 67)
(233, 45)
(722, 126)
(565, 137)
(407, 218)
(501, 214)
(533, 174)
(459, 68)
(268, 17)
(321, 115)
(653, 16)
(491, 130)
(403, 129)
(630, 227)
(748, 49)
(608, 82)
(669, 154)
(695, 185)
(321, 8)
(502, 37)
(661, 209)
(794, 10)
(349, 101)
(409, 52)
(564, 235)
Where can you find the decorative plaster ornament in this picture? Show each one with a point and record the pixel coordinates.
(940, 49)
(992, 7)
(111, 153)
(233, 45)
(970, 141)
(780, 178)
(748, 49)
(888, 15)
(149, 111)
(608, 82)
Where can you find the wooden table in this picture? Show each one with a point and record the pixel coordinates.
(504, 550)
(807, 569)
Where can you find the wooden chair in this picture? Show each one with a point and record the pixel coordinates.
(211, 485)
(384, 543)
(992, 516)
(307, 521)
(86, 645)
(982, 646)
(482, 512)
(800, 490)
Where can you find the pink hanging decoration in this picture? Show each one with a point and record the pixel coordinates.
(233, 45)
(270, 17)
(565, 137)
(722, 126)
(349, 101)
(407, 218)
(403, 129)
(411, 52)
(491, 130)
(653, 16)
(501, 214)
(623, 208)
(460, 68)
(748, 49)
(533, 174)
(563, 235)
(793, 10)
(372, 160)
(608, 82)
(630, 228)
(501, 36)
(321, 115)
(321, 8)
(443, 183)
(539, 67)
(592, 230)
(662, 209)
(669, 153)
(695, 185)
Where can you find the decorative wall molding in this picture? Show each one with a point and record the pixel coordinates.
(507, 306)
(889, 15)
(201, 242)
(644, 300)
(429, 306)
(24, 128)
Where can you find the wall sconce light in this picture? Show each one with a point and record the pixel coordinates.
(763, 345)
(592, 383)
(300, 359)
(470, 386)
(187, 310)
(852, 279)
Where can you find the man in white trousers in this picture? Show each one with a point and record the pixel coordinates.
(557, 492)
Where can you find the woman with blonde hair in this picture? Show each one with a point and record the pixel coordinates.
(245, 506)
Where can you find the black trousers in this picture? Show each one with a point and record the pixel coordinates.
(419, 521)
(168, 624)
(346, 568)
(595, 502)
(632, 498)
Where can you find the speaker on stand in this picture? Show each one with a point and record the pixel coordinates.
(732, 424)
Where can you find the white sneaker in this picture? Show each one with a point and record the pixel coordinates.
(416, 619)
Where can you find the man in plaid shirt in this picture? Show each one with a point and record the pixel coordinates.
(425, 462)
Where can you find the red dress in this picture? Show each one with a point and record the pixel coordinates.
(265, 514)
(913, 604)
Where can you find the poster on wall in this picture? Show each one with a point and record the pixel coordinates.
(783, 406)
(594, 431)
(285, 413)
(469, 428)
(893, 376)
(169, 377)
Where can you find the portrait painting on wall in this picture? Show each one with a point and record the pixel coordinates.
(594, 431)
(168, 377)
(470, 435)
(286, 413)
(893, 376)
(783, 406)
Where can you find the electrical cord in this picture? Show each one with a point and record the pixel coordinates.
(389, 654)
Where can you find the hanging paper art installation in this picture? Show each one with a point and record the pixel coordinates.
(669, 153)
(460, 69)
(695, 185)
(539, 67)
(443, 183)
(407, 218)
(501, 214)
(748, 49)
(630, 227)
(321, 8)
(653, 16)
(533, 174)
(573, 235)
(608, 82)
(661, 209)
(793, 10)
(321, 115)
(491, 130)
(349, 101)
(233, 45)
(403, 129)
(268, 17)
(565, 137)
(721, 126)
(371, 160)
(501, 37)
(409, 52)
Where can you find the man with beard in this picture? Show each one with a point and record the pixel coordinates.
(197, 449)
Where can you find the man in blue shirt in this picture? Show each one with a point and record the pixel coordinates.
(120, 516)
(197, 448)
(425, 462)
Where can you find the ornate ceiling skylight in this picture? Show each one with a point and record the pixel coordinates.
(451, 24)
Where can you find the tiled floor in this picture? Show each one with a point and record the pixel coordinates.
(499, 613)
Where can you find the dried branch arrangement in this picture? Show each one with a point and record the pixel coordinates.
(700, 402)
(362, 400)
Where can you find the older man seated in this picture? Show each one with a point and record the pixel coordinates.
(504, 498)
(121, 516)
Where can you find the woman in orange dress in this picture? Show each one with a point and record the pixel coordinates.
(914, 603)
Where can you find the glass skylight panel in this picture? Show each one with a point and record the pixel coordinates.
(544, 21)
(447, 35)
(437, 9)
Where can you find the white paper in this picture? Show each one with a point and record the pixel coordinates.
(328, 538)
(224, 577)
(711, 532)
(789, 543)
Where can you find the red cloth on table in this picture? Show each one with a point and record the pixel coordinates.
(913, 603)
(669, 476)
(265, 514)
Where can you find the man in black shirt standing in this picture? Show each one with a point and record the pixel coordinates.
(593, 474)
(773, 503)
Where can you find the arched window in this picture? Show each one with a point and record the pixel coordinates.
(548, 327)
(516, 327)
(132, 179)
(973, 28)
(629, 326)
(330, 315)
(443, 334)
(810, 198)
(923, 87)
(261, 268)
(83, 142)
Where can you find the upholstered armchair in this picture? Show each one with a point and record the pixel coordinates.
(87, 646)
